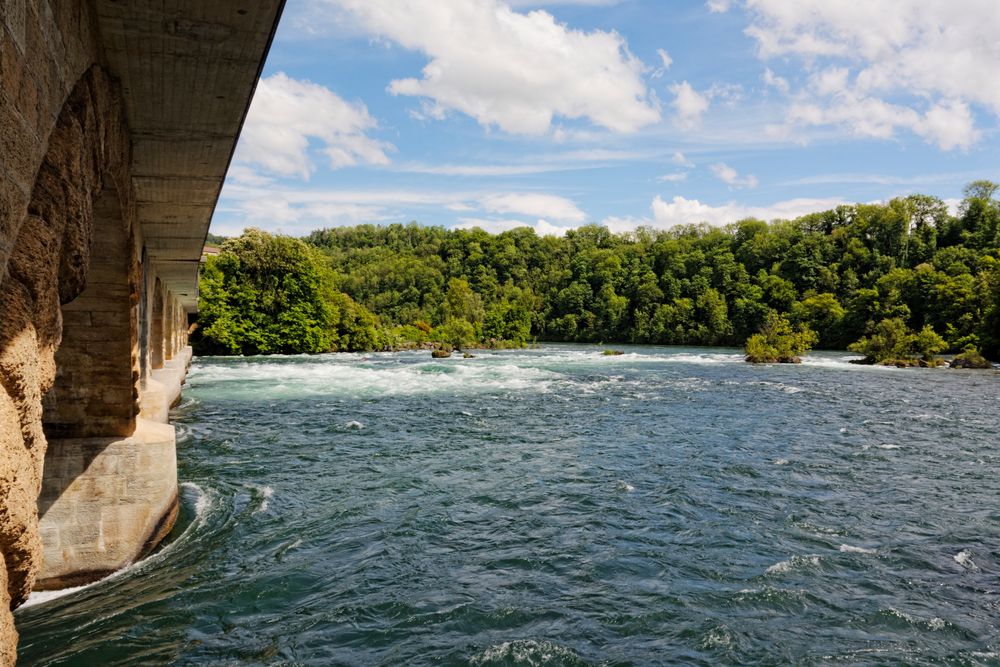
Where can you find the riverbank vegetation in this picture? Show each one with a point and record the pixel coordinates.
(883, 277)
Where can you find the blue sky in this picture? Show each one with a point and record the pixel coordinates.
(503, 113)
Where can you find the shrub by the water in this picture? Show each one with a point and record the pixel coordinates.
(779, 342)
(970, 358)
(891, 343)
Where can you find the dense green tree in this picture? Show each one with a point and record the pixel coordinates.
(262, 295)
(840, 273)
(267, 294)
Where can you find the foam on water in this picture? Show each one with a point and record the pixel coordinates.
(964, 558)
(41, 597)
(704, 358)
(794, 563)
(265, 493)
(202, 503)
(718, 638)
(850, 549)
(412, 373)
(839, 362)
(781, 386)
(529, 652)
(330, 376)
(934, 623)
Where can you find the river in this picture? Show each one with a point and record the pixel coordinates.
(556, 506)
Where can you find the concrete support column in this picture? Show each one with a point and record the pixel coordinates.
(179, 327)
(156, 327)
(105, 502)
(168, 326)
(177, 358)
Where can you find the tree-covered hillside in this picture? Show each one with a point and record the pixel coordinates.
(841, 273)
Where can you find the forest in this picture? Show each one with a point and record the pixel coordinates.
(851, 275)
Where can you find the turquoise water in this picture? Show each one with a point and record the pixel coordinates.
(560, 507)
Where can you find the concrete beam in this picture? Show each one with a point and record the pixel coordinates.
(188, 69)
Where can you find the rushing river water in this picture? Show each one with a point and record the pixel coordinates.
(560, 507)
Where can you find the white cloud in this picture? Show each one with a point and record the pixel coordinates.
(665, 58)
(288, 114)
(511, 70)
(775, 81)
(300, 210)
(918, 68)
(881, 179)
(534, 205)
(682, 211)
(603, 155)
(675, 177)
(954, 205)
(483, 169)
(948, 124)
(688, 104)
(241, 173)
(729, 93)
(718, 6)
(831, 99)
(730, 176)
(679, 158)
(552, 3)
(540, 163)
(497, 226)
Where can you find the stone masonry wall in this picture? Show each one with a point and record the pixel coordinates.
(98, 341)
(62, 137)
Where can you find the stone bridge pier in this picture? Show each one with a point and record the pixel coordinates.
(118, 121)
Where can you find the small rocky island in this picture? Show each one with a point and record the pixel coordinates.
(778, 342)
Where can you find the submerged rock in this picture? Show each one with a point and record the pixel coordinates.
(440, 354)
(466, 355)
(612, 353)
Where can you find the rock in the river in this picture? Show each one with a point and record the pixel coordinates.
(970, 359)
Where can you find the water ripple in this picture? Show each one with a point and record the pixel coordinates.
(561, 507)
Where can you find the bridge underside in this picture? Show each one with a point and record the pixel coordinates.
(117, 124)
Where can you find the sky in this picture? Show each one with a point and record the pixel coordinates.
(626, 113)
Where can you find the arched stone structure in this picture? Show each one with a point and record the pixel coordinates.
(96, 389)
(69, 367)
(69, 161)
(46, 266)
(109, 489)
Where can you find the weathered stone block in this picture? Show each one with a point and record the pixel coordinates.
(14, 17)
